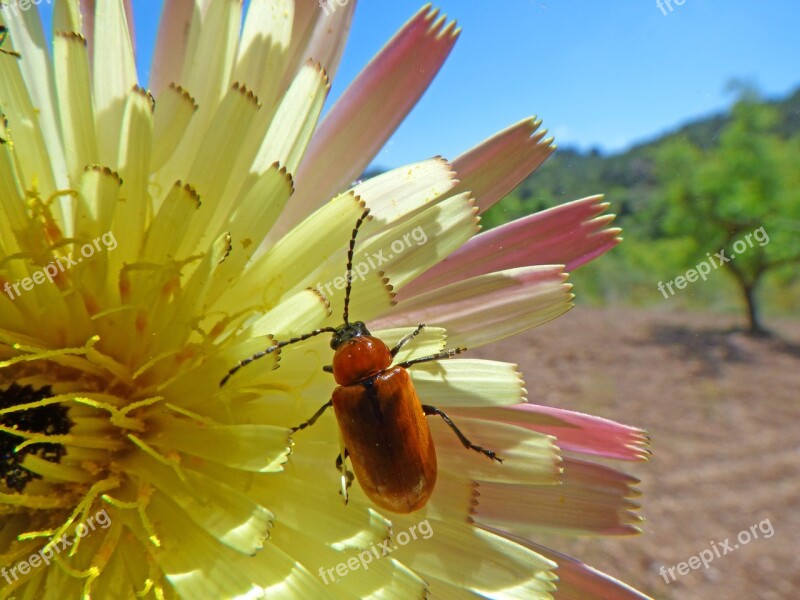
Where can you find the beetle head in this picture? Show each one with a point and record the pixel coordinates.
(348, 331)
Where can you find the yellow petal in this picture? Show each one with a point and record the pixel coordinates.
(174, 110)
(264, 46)
(468, 382)
(71, 65)
(114, 75)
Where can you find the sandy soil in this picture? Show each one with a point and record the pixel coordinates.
(722, 410)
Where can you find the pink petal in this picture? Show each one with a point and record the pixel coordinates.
(306, 17)
(87, 14)
(129, 16)
(577, 580)
(171, 44)
(489, 307)
(570, 234)
(591, 499)
(370, 110)
(496, 166)
(330, 36)
(576, 432)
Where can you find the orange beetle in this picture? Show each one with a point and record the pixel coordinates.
(380, 416)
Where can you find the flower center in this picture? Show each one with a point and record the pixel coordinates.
(49, 419)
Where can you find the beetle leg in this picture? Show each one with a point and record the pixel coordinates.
(437, 356)
(347, 475)
(432, 410)
(340, 460)
(314, 418)
(407, 338)
(328, 368)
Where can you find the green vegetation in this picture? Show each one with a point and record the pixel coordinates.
(681, 199)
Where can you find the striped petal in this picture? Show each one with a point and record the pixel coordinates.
(328, 38)
(370, 110)
(576, 432)
(216, 162)
(488, 565)
(130, 217)
(489, 307)
(577, 580)
(420, 241)
(385, 578)
(591, 499)
(27, 38)
(227, 573)
(114, 71)
(571, 234)
(528, 459)
(399, 192)
(23, 126)
(75, 101)
(468, 382)
(173, 113)
(243, 525)
(495, 167)
(264, 47)
(211, 54)
(257, 448)
(295, 120)
(171, 44)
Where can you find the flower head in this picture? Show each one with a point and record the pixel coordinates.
(150, 241)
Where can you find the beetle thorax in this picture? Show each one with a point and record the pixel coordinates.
(359, 358)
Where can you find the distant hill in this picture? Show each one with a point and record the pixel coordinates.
(626, 178)
(629, 274)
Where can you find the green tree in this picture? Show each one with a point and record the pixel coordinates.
(749, 184)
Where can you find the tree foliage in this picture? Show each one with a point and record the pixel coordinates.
(739, 168)
(741, 196)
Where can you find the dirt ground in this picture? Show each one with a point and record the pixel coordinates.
(722, 411)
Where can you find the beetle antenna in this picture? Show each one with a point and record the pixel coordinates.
(273, 348)
(349, 275)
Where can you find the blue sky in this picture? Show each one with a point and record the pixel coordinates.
(600, 74)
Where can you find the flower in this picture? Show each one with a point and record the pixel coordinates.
(149, 241)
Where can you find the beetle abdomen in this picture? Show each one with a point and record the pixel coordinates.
(388, 439)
